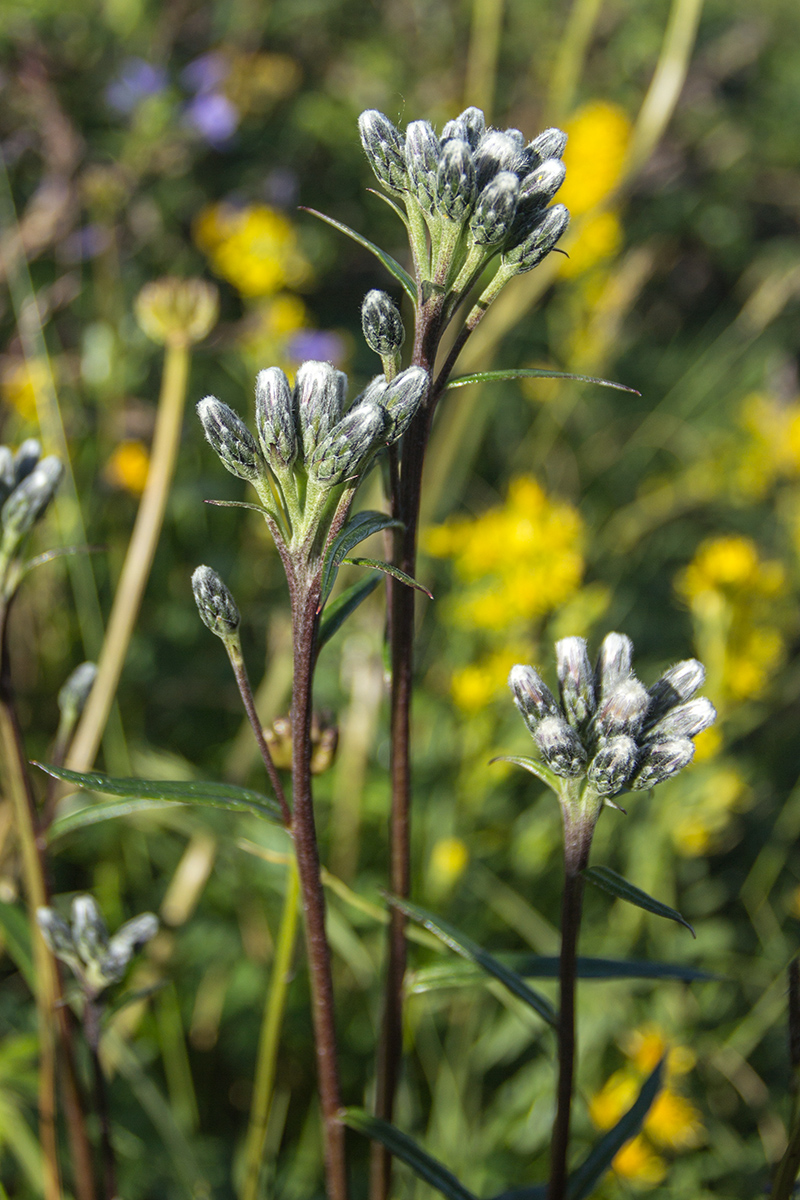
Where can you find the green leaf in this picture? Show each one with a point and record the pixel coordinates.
(17, 933)
(391, 264)
(357, 529)
(407, 1150)
(609, 881)
(593, 1168)
(259, 508)
(534, 373)
(388, 569)
(214, 795)
(106, 810)
(532, 966)
(338, 612)
(464, 946)
(535, 766)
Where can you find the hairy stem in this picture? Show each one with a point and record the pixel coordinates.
(138, 560)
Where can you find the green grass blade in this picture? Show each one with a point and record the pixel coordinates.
(407, 1150)
(391, 264)
(456, 974)
(464, 946)
(534, 373)
(341, 608)
(609, 881)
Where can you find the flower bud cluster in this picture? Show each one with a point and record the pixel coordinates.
(95, 959)
(308, 441)
(491, 184)
(28, 483)
(606, 726)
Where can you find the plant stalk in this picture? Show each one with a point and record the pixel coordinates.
(138, 560)
(245, 691)
(92, 1016)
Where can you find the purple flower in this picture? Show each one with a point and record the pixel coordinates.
(205, 73)
(136, 80)
(84, 243)
(214, 117)
(317, 344)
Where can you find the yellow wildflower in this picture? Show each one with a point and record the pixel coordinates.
(486, 679)
(673, 1122)
(254, 248)
(448, 861)
(599, 134)
(702, 810)
(599, 238)
(614, 1098)
(128, 467)
(639, 1163)
(647, 1045)
(20, 383)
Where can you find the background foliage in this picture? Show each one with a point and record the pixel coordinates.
(142, 140)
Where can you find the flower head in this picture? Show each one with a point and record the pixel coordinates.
(96, 960)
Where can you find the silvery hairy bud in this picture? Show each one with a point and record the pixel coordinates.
(551, 143)
(561, 747)
(319, 392)
(613, 765)
(456, 181)
(6, 473)
(660, 760)
(623, 710)
(348, 446)
(422, 161)
(684, 720)
(29, 499)
(498, 150)
(75, 691)
(613, 663)
(401, 400)
(575, 679)
(468, 127)
(26, 458)
(89, 932)
(495, 209)
(536, 191)
(677, 685)
(215, 603)
(129, 938)
(384, 147)
(275, 422)
(382, 324)
(57, 936)
(532, 696)
(528, 253)
(232, 440)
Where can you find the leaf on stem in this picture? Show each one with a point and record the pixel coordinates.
(464, 946)
(391, 264)
(388, 569)
(357, 529)
(407, 1150)
(343, 605)
(535, 766)
(141, 795)
(532, 966)
(535, 373)
(609, 881)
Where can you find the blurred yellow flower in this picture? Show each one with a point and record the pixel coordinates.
(254, 248)
(20, 383)
(599, 134)
(600, 238)
(474, 685)
(701, 811)
(128, 466)
(448, 861)
(640, 1164)
(673, 1122)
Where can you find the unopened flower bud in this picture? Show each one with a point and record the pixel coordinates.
(495, 209)
(561, 747)
(623, 710)
(89, 932)
(576, 682)
(349, 445)
(660, 760)
(382, 324)
(497, 151)
(232, 440)
(129, 938)
(6, 473)
(684, 720)
(468, 127)
(536, 191)
(456, 181)
(57, 936)
(422, 160)
(177, 311)
(677, 685)
(29, 500)
(401, 400)
(528, 253)
(275, 421)
(319, 392)
(613, 663)
(26, 458)
(75, 691)
(215, 603)
(532, 696)
(612, 766)
(551, 143)
(384, 147)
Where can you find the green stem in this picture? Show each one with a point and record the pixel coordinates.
(270, 1034)
(138, 560)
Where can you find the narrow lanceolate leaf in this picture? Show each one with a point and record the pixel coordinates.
(215, 795)
(456, 974)
(357, 529)
(464, 946)
(388, 569)
(535, 766)
(535, 373)
(391, 264)
(106, 810)
(592, 1169)
(339, 610)
(609, 881)
(407, 1150)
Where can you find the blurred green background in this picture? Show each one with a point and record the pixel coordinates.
(142, 140)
